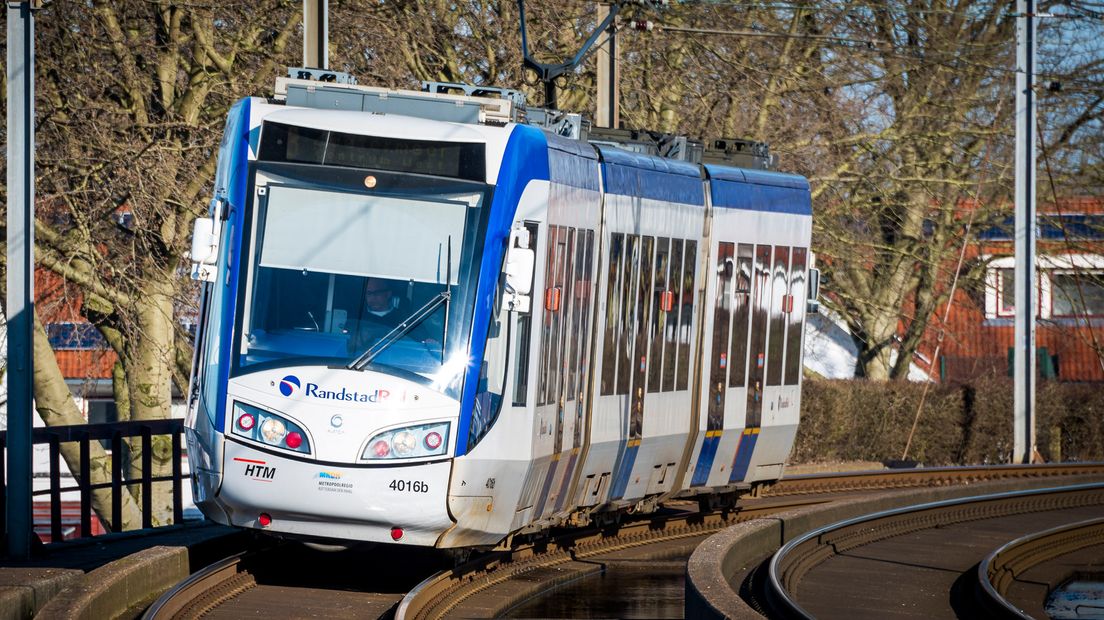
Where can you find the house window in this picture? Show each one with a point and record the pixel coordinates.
(1077, 294)
(1006, 292)
(1004, 304)
(71, 336)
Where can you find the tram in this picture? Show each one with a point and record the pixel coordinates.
(427, 320)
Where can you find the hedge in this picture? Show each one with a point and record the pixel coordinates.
(968, 424)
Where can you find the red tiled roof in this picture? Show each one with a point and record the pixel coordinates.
(86, 364)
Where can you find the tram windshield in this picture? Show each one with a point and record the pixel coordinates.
(334, 271)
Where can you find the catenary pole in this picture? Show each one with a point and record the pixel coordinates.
(316, 34)
(19, 305)
(1024, 355)
(609, 92)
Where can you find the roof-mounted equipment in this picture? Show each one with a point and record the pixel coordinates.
(343, 93)
(739, 152)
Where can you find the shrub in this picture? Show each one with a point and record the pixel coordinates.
(959, 424)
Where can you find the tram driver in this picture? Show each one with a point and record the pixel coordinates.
(383, 311)
(381, 305)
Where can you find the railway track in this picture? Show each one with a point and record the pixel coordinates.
(294, 581)
(923, 561)
(924, 477)
(1016, 577)
(286, 581)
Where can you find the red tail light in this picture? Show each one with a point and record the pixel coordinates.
(293, 440)
(264, 519)
(246, 422)
(380, 448)
(433, 440)
(396, 533)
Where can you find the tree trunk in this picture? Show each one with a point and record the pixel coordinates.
(149, 364)
(55, 406)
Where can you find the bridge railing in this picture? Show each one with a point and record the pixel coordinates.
(114, 433)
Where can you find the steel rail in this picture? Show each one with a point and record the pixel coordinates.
(997, 572)
(180, 599)
(442, 592)
(445, 590)
(928, 476)
(800, 555)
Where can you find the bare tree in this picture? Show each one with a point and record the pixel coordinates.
(893, 109)
(131, 98)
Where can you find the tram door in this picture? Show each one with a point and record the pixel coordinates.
(780, 404)
(726, 378)
(574, 383)
(738, 355)
(631, 356)
(716, 373)
(561, 390)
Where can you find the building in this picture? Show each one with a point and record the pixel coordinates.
(979, 333)
(84, 357)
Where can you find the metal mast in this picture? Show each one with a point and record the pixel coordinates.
(1026, 301)
(609, 92)
(316, 34)
(20, 297)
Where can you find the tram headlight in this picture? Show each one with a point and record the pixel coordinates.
(273, 431)
(424, 440)
(404, 443)
(268, 428)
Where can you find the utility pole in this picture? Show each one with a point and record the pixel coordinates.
(316, 34)
(609, 74)
(19, 305)
(1024, 355)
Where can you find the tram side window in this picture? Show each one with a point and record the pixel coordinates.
(686, 314)
(609, 338)
(760, 300)
(572, 303)
(582, 298)
(741, 314)
(661, 308)
(585, 286)
(546, 324)
(556, 305)
(213, 329)
(718, 366)
(492, 375)
(639, 355)
(796, 306)
(644, 296)
(671, 327)
(524, 333)
(521, 345)
(630, 272)
(777, 338)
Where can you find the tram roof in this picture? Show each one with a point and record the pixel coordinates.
(758, 190)
(657, 178)
(758, 177)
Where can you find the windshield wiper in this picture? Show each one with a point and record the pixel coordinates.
(399, 331)
(448, 296)
(412, 321)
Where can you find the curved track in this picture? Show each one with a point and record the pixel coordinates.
(291, 581)
(294, 581)
(916, 562)
(1016, 578)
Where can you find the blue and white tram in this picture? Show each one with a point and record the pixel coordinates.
(437, 332)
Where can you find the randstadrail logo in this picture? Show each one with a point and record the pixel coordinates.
(289, 384)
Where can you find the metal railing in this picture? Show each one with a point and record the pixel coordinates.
(114, 433)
